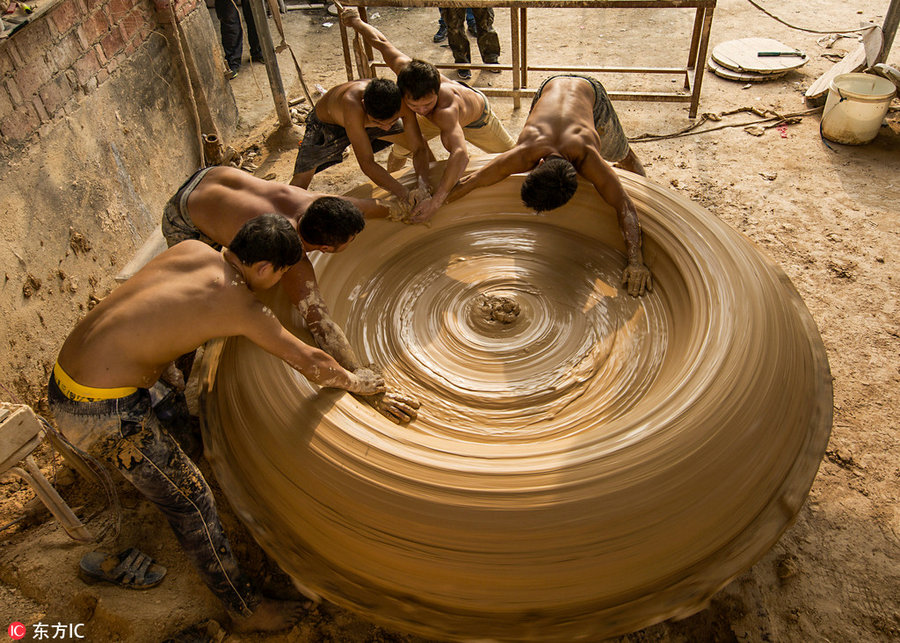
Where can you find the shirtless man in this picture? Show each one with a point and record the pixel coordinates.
(571, 129)
(456, 112)
(363, 114)
(98, 390)
(215, 202)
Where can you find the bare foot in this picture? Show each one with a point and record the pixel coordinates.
(632, 163)
(394, 163)
(272, 616)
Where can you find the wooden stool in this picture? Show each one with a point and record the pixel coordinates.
(20, 434)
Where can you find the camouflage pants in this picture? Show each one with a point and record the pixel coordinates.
(488, 40)
(127, 434)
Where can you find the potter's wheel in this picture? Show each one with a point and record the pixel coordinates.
(584, 463)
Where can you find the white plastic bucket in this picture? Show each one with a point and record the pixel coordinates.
(855, 108)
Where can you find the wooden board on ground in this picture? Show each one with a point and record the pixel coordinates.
(864, 55)
(743, 56)
(743, 76)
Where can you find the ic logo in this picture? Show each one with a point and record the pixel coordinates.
(16, 631)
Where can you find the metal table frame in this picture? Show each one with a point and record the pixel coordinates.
(520, 67)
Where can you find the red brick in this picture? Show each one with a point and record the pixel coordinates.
(86, 67)
(39, 108)
(128, 25)
(7, 66)
(15, 54)
(55, 93)
(95, 26)
(100, 55)
(92, 5)
(117, 10)
(32, 39)
(6, 106)
(30, 79)
(82, 39)
(20, 125)
(132, 46)
(146, 30)
(133, 23)
(14, 92)
(64, 16)
(102, 75)
(66, 51)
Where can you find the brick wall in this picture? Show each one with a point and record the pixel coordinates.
(46, 66)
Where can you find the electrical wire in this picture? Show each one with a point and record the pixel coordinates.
(787, 24)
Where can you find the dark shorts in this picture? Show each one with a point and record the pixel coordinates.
(176, 222)
(126, 433)
(613, 142)
(323, 144)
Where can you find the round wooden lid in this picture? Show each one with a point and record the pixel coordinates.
(743, 56)
(744, 76)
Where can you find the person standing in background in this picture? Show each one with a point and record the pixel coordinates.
(488, 40)
(233, 34)
(441, 34)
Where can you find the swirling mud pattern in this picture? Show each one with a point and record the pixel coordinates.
(584, 463)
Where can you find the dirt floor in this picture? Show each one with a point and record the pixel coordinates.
(826, 214)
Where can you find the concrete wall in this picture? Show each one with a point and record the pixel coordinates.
(97, 133)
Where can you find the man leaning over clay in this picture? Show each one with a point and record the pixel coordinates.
(453, 110)
(98, 391)
(572, 129)
(215, 202)
(365, 115)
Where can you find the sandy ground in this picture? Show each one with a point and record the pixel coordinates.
(826, 215)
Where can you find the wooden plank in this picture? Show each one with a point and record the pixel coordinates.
(865, 54)
(20, 434)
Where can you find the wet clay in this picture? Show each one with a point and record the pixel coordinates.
(584, 463)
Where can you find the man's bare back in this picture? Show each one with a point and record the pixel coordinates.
(558, 140)
(342, 102)
(182, 298)
(561, 123)
(228, 197)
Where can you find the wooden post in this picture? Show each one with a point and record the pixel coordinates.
(516, 61)
(523, 47)
(890, 29)
(701, 61)
(268, 51)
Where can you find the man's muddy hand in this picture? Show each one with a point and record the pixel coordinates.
(173, 377)
(637, 280)
(397, 210)
(423, 212)
(349, 15)
(366, 382)
(418, 195)
(394, 405)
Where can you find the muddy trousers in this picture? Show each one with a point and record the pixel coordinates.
(129, 437)
(488, 40)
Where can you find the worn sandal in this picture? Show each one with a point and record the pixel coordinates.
(130, 568)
